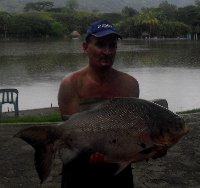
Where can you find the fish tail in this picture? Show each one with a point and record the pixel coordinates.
(42, 139)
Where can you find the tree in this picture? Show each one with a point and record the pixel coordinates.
(4, 22)
(39, 6)
(35, 24)
(72, 5)
(147, 18)
(197, 3)
(189, 15)
(128, 12)
(166, 11)
(129, 27)
(174, 29)
(67, 20)
(112, 17)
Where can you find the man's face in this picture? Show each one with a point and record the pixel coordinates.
(101, 51)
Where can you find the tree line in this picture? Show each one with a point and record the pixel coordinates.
(42, 19)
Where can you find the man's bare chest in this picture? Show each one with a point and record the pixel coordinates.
(102, 91)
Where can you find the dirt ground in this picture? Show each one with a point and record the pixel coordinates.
(179, 169)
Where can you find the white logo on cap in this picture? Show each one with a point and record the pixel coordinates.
(104, 26)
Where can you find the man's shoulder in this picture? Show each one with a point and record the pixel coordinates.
(73, 77)
(125, 76)
(128, 84)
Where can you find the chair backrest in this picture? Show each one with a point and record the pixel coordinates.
(8, 95)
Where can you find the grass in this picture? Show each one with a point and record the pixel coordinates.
(189, 111)
(32, 119)
(55, 118)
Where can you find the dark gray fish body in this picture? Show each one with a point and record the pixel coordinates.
(124, 130)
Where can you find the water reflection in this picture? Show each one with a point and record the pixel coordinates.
(165, 69)
(179, 85)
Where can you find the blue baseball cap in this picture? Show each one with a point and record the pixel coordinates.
(102, 28)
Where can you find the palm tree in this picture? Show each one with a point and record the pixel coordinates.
(147, 18)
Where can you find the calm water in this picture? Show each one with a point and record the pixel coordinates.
(164, 69)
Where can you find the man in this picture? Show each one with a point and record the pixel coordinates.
(98, 80)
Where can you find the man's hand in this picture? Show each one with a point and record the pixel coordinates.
(96, 158)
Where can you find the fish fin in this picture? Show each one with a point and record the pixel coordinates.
(44, 157)
(121, 166)
(38, 135)
(42, 139)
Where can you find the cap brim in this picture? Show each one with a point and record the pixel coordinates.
(105, 33)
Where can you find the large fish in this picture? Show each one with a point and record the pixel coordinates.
(124, 130)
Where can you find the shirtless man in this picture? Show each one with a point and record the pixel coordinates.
(98, 80)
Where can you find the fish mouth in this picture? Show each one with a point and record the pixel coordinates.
(162, 144)
(168, 139)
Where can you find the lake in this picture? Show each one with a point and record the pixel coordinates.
(168, 69)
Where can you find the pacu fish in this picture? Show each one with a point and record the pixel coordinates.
(124, 130)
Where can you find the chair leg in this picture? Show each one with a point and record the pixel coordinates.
(16, 109)
(0, 110)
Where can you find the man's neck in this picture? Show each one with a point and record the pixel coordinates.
(100, 75)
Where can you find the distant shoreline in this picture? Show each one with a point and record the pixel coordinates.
(33, 112)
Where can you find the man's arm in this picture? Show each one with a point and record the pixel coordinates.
(132, 86)
(136, 89)
(68, 100)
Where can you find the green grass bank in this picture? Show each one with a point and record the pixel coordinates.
(54, 117)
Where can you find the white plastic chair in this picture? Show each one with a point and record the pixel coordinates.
(9, 96)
